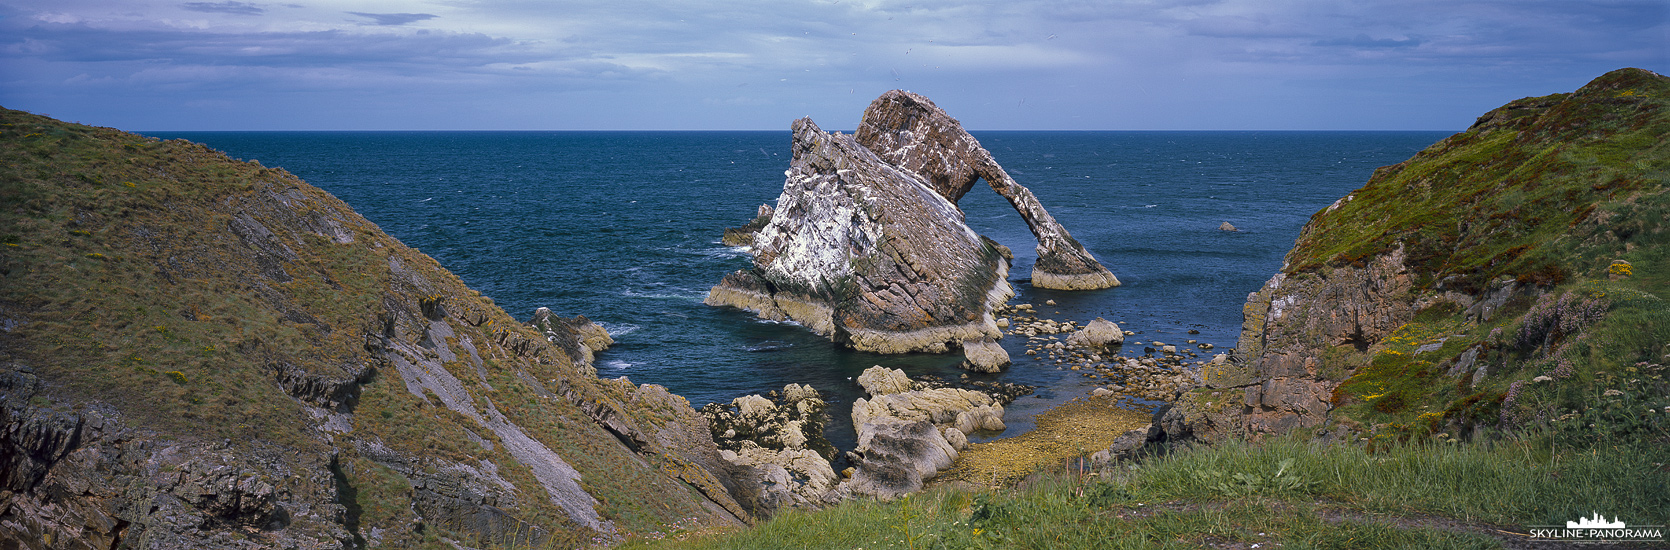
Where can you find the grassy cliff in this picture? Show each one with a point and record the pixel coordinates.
(1535, 249)
(181, 302)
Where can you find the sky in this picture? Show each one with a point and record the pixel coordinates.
(759, 64)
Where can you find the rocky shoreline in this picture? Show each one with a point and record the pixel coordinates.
(913, 433)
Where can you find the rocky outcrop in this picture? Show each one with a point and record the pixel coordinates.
(910, 132)
(868, 255)
(777, 440)
(1406, 315)
(578, 337)
(905, 437)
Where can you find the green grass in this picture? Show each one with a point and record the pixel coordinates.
(1300, 494)
(1518, 198)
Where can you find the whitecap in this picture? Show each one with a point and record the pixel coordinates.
(617, 330)
(769, 345)
(681, 294)
(616, 364)
(726, 251)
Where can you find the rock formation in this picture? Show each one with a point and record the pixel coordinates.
(1097, 334)
(240, 360)
(778, 440)
(1412, 306)
(867, 246)
(868, 255)
(910, 132)
(906, 436)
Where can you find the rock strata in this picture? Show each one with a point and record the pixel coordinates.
(868, 255)
(912, 133)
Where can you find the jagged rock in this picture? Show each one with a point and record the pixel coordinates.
(744, 236)
(1097, 334)
(779, 441)
(984, 356)
(868, 255)
(579, 337)
(912, 133)
(789, 477)
(879, 380)
(1225, 226)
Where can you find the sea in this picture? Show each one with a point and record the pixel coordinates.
(624, 227)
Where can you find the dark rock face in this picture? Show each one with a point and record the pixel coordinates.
(868, 255)
(81, 479)
(910, 132)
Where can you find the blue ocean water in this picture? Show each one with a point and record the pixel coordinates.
(624, 228)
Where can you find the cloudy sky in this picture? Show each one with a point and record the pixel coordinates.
(757, 64)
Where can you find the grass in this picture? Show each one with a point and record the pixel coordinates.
(190, 290)
(1289, 491)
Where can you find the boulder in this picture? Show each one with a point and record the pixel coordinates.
(984, 356)
(1097, 334)
(868, 255)
(956, 438)
(906, 437)
(1125, 446)
(879, 380)
(1225, 226)
(915, 135)
(894, 457)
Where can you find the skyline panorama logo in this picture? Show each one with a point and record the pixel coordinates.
(1598, 529)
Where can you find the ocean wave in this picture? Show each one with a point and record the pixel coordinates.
(617, 330)
(676, 294)
(616, 364)
(769, 345)
(726, 252)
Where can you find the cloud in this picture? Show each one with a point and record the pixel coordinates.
(1362, 41)
(394, 19)
(234, 8)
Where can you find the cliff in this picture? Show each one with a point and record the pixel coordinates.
(1509, 276)
(198, 352)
